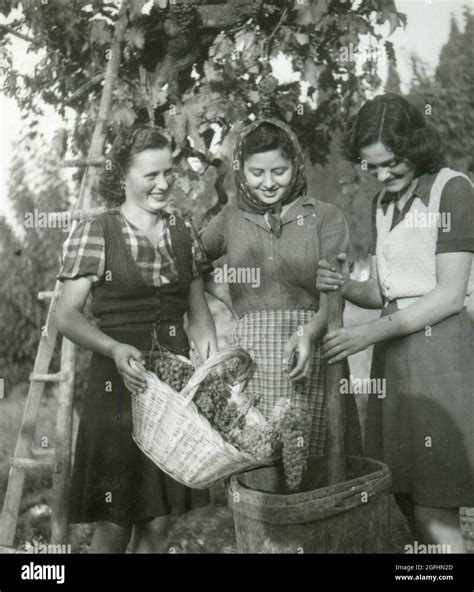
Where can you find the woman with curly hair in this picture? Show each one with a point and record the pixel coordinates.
(423, 239)
(143, 268)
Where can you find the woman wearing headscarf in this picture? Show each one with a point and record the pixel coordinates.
(271, 241)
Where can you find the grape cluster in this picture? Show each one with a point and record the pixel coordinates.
(213, 401)
(173, 371)
(294, 428)
(184, 13)
(267, 89)
(263, 441)
(243, 10)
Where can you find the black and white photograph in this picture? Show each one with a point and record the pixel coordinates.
(236, 276)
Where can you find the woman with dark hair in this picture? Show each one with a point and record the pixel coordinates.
(143, 268)
(271, 242)
(423, 239)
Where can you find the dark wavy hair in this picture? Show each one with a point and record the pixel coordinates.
(128, 143)
(400, 127)
(267, 137)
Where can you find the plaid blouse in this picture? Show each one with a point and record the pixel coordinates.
(84, 253)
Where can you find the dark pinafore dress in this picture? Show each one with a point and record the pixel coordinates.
(112, 479)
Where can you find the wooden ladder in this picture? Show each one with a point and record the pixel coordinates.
(23, 460)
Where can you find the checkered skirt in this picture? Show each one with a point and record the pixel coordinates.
(264, 334)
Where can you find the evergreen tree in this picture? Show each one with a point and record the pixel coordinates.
(448, 99)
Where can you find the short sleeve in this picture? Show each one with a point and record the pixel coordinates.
(456, 231)
(201, 263)
(334, 235)
(373, 226)
(213, 237)
(83, 253)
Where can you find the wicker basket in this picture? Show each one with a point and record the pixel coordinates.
(170, 431)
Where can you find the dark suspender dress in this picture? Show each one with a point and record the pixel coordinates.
(112, 479)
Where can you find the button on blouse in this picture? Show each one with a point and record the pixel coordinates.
(286, 266)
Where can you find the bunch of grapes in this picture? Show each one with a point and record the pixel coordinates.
(267, 90)
(263, 441)
(212, 397)
(173, 371)
(213, 401)
(228, 422)
(243, 10)
(294, 427)
(184, 13)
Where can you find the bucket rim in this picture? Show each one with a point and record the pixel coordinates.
(382, 473)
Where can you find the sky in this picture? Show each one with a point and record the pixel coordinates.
(426, 32)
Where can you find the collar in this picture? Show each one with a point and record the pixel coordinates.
(303, 207)
(422, 191)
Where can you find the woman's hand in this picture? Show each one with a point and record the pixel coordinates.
(133, 379)
(341, 343)
(298, 346)
(201, 328)
(328, 278)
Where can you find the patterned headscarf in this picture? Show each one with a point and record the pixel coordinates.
(246, 200)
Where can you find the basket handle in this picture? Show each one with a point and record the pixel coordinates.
(214, 360)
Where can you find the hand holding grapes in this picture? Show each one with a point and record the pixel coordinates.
(122, 355)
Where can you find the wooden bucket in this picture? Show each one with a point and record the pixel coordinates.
(344, 502)
(348, 517)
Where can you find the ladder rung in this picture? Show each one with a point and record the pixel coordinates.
(31, 464)
(58, 377)
(82, 162)
(48, 294)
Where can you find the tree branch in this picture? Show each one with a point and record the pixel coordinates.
(100, 129)
(84, 88)
(11, 31)
(274, 32)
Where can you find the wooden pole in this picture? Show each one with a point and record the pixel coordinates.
(63, 447)
(100, 130)
(334, 408)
